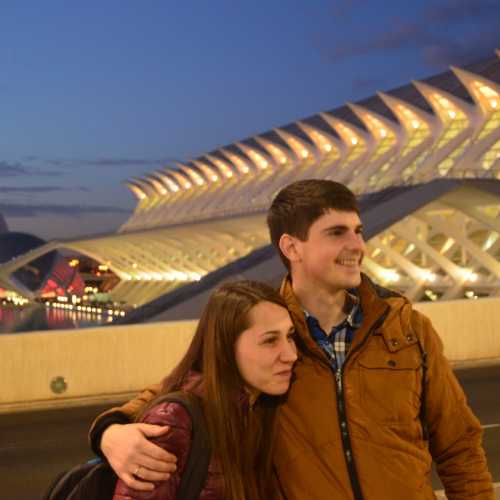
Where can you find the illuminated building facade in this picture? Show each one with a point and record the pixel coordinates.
(424, 158)
(47, 275)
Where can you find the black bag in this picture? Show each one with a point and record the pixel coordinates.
(96, 479)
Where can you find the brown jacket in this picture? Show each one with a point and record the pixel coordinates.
(372, 434)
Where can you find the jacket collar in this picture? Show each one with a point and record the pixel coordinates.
(298, 317)
(376, 303)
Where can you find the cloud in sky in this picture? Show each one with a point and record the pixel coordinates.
(403, 35)
(8, 169)
(435, 34)
(12, 169)
(40, 189)
(474, 47)
(34, 210)
(109, 161)
(457, 11)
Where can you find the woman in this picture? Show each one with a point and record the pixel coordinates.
(239, 361)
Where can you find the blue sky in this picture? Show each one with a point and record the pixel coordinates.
(94, 93)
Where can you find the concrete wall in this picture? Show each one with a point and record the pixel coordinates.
(97, 363)
(112, 363)
(470, 329)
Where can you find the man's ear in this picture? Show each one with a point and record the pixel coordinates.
(290, 247)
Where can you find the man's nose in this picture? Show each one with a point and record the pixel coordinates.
(357, 242)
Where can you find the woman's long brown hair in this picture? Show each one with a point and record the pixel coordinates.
(241, 438)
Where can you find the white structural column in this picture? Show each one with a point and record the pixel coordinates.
(388, 137)
(285, 167)
(419, 276)
(449, 248)
(264, 167)
(486, 95)
(421, 130)
(357, 143)
(456, 228)
(458, 119)
(328, 147)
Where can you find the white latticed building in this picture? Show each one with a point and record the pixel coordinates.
(424, 158)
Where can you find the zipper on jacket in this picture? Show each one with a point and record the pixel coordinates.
(346, 440)
(344, 429)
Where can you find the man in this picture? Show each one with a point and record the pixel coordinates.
(374, 401)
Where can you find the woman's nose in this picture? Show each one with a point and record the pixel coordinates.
(289, 352)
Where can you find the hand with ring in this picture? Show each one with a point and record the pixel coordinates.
(136, 473)
(136, 461)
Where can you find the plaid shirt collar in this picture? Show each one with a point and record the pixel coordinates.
(353, 309)
(337, 343)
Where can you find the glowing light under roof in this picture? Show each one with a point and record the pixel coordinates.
(237, 161)
(389, 275)
(222, 166)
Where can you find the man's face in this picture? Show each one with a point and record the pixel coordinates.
(332, 254)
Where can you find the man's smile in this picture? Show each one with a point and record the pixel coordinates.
(353, 261)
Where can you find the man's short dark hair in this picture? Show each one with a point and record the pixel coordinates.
(297, 206)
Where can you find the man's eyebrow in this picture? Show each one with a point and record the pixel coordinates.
(340, 227)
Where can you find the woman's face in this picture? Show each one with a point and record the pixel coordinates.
(265, 352)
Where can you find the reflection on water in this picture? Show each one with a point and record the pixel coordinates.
(38, 317)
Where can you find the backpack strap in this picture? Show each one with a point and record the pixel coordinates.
(94, 479)
(195, 473)
(66, 481)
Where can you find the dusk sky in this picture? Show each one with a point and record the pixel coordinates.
(93, 93)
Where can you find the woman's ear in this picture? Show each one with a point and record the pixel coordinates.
(290, 247)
